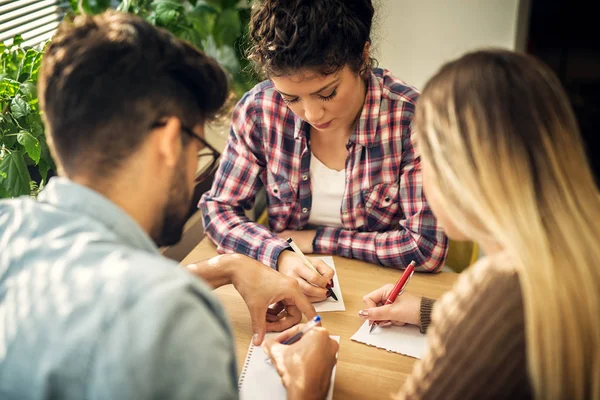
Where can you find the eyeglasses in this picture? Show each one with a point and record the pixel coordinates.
(208, 156)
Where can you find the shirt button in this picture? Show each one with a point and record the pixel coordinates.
(304, 210)
(304, 177)
(345, 213)
(275, 190)
(387, 199)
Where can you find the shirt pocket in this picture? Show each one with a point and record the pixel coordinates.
(281, 198)
(381, 204)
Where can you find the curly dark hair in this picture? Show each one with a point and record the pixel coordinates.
(324, 35)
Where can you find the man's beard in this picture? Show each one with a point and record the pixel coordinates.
(175, 213)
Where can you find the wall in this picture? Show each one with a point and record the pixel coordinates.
(414, 38)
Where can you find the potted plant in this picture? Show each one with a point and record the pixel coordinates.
(216, 26)
(25, 162)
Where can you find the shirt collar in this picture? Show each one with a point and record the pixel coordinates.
(365, 132)
(67, 195)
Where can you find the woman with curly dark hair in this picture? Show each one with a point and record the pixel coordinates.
(330, 138)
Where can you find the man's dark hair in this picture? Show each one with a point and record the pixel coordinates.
(324, 35)
(106, 79)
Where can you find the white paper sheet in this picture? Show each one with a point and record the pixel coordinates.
(259, 378)
(407, 339)
(329, 304)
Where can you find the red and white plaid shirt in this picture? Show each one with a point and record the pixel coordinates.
(386, 219)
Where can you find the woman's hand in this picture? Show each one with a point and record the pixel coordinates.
(405, 310)
(314, 285)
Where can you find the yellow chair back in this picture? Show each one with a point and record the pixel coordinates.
(461, 255)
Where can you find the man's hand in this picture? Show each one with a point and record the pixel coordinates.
(305, 366)
(303, 239)
(261, 287)
(405, 310)
(313, 284)
(275, 301)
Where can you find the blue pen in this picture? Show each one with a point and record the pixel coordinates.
(314, 322)
(309, 325)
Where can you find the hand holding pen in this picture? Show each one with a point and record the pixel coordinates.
(388, 305)
(305, 367)
(302, 329)
(307, 263)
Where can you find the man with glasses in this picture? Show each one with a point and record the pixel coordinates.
(88, 306)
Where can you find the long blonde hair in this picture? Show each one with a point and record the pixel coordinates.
(504, 145)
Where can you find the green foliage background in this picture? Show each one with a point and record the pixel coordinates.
(218, 27)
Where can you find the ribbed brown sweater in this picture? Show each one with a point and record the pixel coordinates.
(476, 339)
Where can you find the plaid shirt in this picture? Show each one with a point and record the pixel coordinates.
(385, 217)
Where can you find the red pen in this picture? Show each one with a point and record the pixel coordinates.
(398, 288)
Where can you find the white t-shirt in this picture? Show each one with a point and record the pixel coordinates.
(327, 186)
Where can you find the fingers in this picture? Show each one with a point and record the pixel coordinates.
(269, 346)
(288, 333)
(314, 293)
(369, 302)
(383, 313)
(292, 317)
(311, 276)
(325, 270)
(297, 297)
(259, 324)
(320, 338)
(276, 308)
(272, 318)
(378, 296)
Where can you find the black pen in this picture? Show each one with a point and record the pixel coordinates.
(309, 265)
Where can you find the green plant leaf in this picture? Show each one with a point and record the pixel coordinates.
(227, 27)
(31, 63)
(17, 40)
(7, 126)
(167, 12)
(23, 77)
(223, 4)
(9, 141)
(202, 19)
(31, 144)
(225, 55)
(192, 36)
(95, 6)
(124, 6)
(19, 107)
(35, 125)
(43, 167)
(3, 192)
(14, 177)
(46, 158)
(28, 90)
(8, 87)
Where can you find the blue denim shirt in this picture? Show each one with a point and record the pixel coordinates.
(90, 310)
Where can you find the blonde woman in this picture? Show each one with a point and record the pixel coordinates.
(503, 165)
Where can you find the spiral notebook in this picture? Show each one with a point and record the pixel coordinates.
(259, 378)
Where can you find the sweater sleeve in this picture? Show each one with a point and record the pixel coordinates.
(425, 313)
(476, 341)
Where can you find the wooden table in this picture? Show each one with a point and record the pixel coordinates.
(363, 372)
